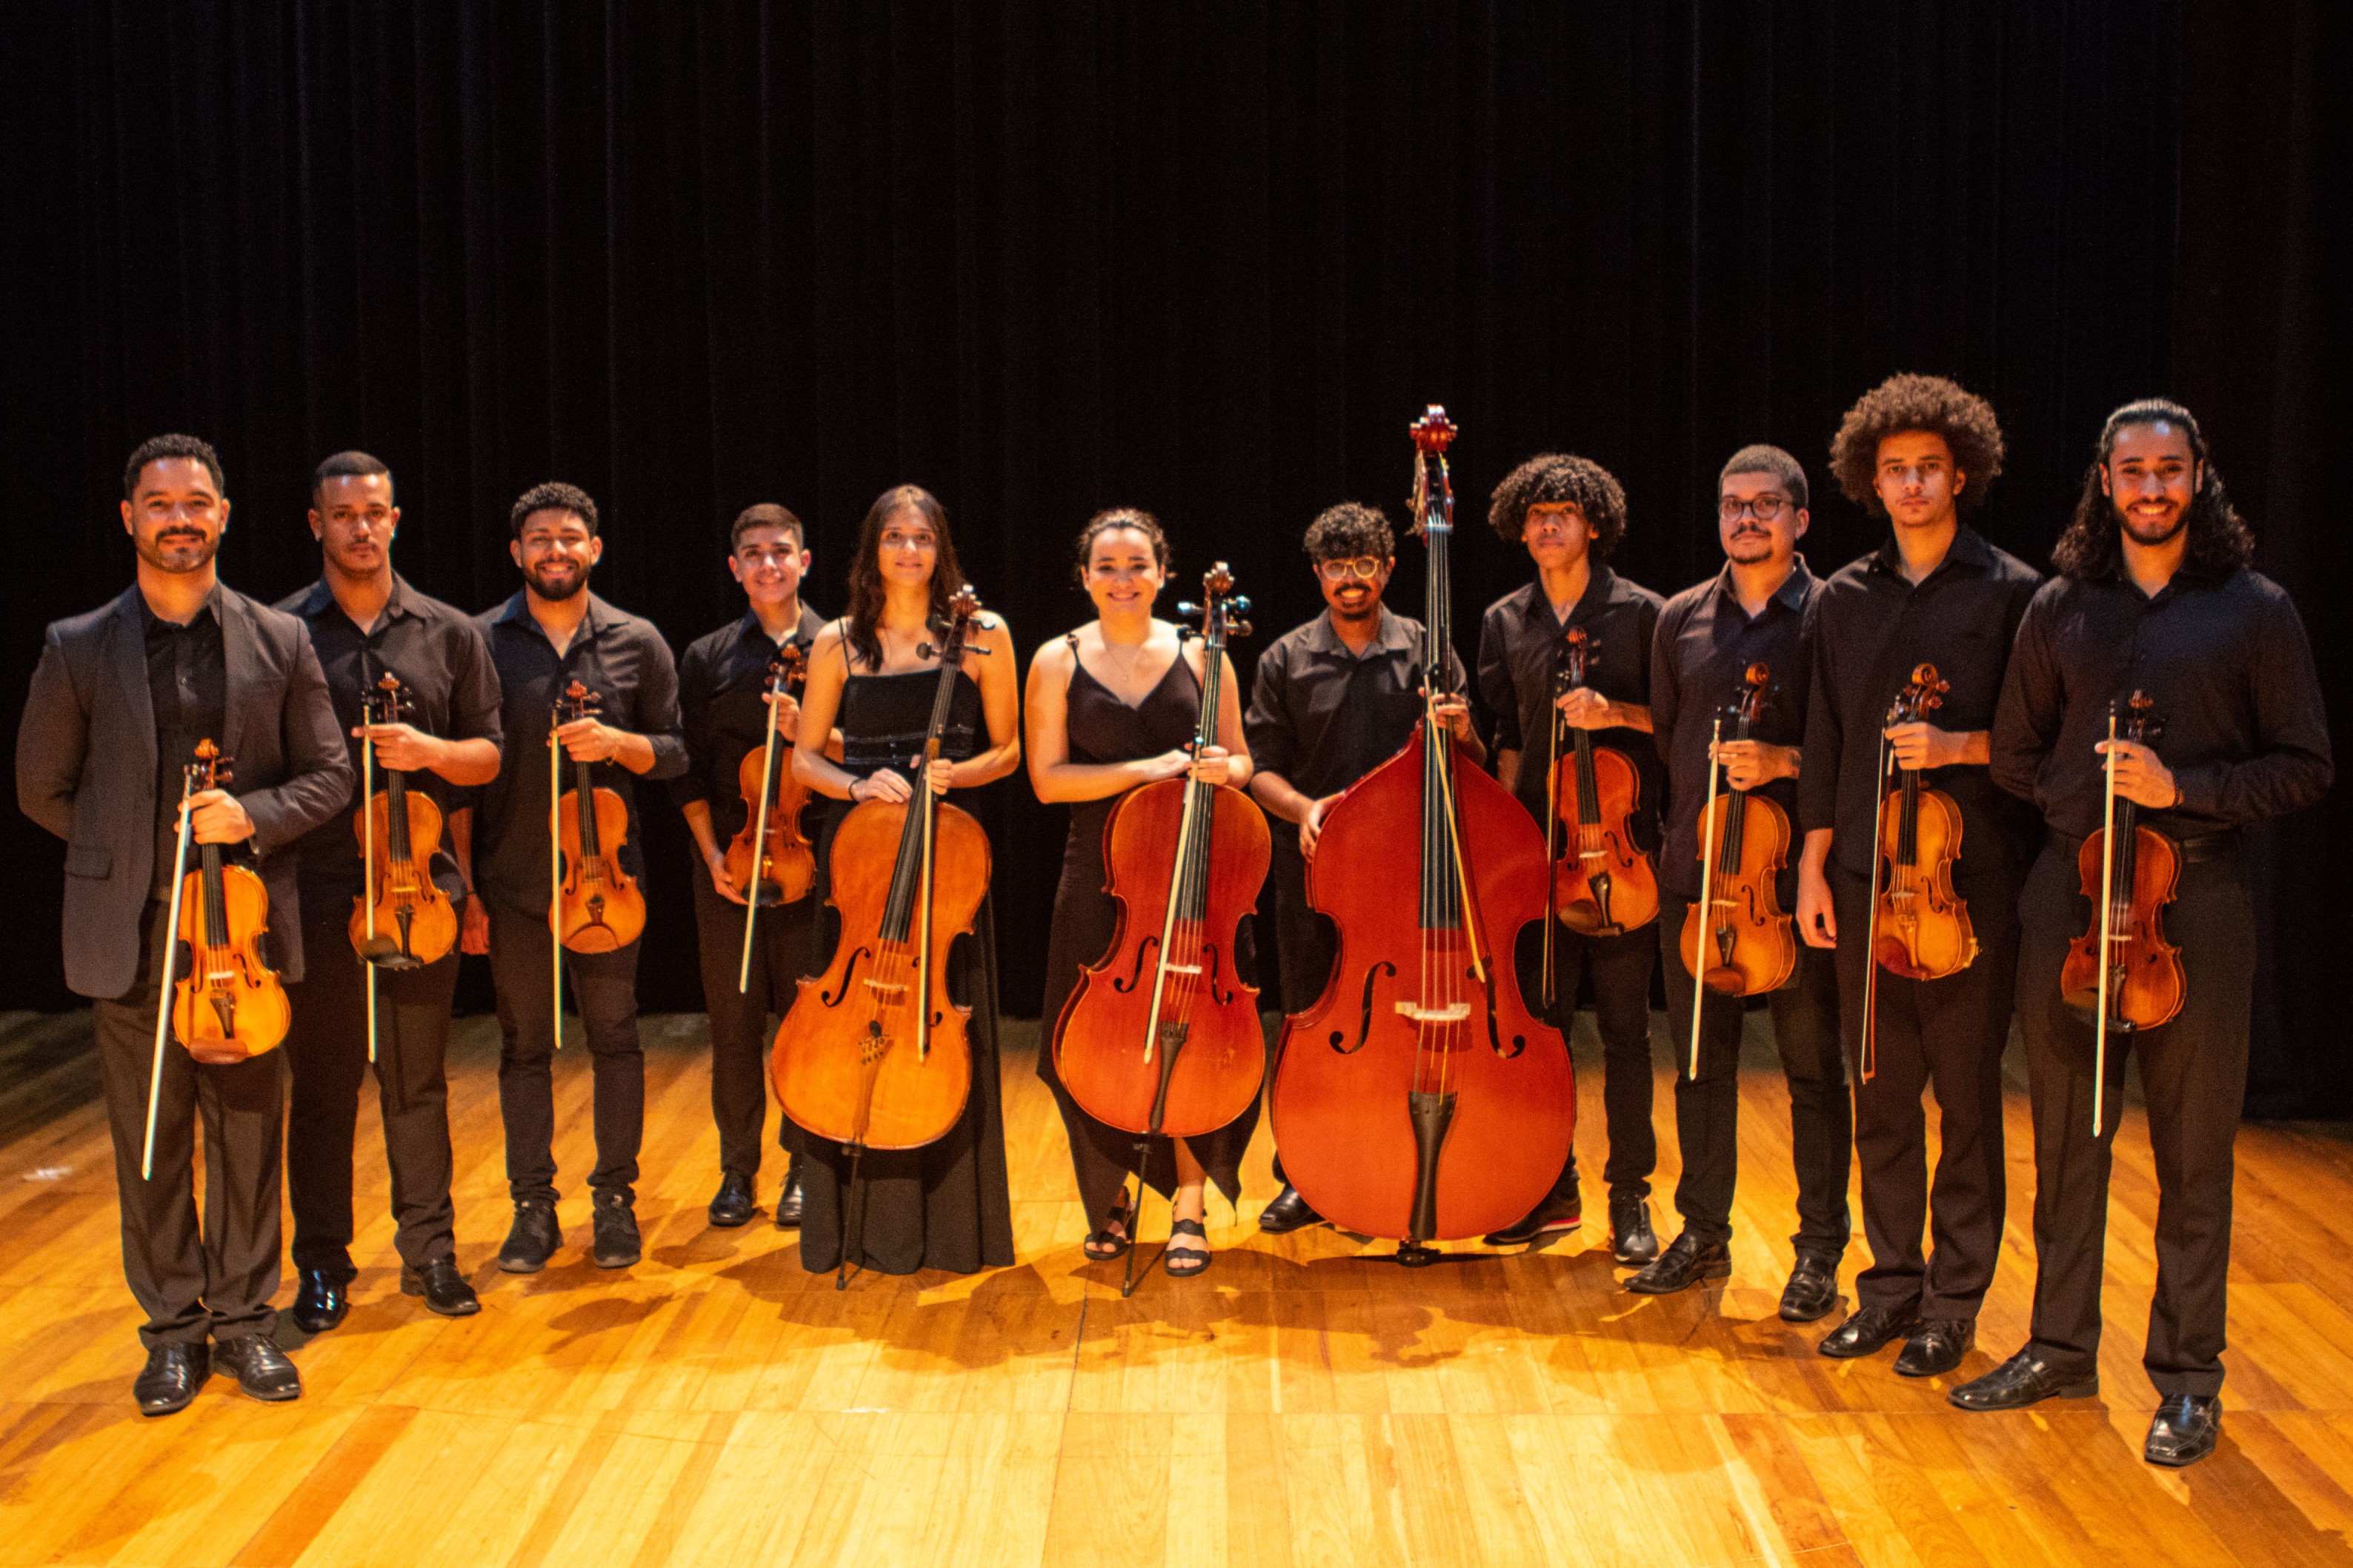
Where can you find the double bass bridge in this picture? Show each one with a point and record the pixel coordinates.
(1452, 1012)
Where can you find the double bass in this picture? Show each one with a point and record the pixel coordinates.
(1736, 942)
(1161, 1038)
(2121, 975)
(873, 1054)
(1418, 1098)
(1918, 927)
(769, 858)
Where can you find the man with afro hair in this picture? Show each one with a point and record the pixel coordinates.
(1918, 450)
(1568, 514)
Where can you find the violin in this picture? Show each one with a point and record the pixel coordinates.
(596, 906)
(402, 920)
(2121, 975)
(1603, 884)
(770, 859)
(1418, 1098)
(873, 1053)
(1920, 927)
(1736, 940)
(231, 1006)
(1161, 1038)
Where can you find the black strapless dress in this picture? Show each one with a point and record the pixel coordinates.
(1103, 729)
(945, 1205)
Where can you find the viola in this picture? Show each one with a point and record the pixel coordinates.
(1162, 1037)
(1418, 1098)
(1736, 940)
(597, 906)
(2121, 975)
(402, 919)
(873, 1053)
(770, 859)
(1920, 927)
(1603, 882)
(231, 1006)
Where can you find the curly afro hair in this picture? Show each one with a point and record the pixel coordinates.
(1928, 402)
(1557, 477)
(1348, 530)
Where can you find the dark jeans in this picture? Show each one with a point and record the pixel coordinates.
(1948, 1034)
(327, 1050)
(603, 989)
(1707, 1107)
(1620, 968)
(193, 1284)
(2193, 1076)
(782, 951)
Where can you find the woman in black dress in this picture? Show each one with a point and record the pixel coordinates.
(1113, 705)
(872, 674)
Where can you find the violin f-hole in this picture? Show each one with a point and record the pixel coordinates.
(1364, 1021)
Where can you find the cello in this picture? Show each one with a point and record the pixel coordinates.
(770, 858)
(873, 1054)
(2122, 974)
(1603, 882)
(1737, 920)
(1161, 1036)
(1418, 1098)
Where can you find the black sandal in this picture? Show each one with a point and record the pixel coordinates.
(1121, 1215)
(1186, 1263)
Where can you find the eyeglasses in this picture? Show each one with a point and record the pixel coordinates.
(1765, 508)
(1336, 570)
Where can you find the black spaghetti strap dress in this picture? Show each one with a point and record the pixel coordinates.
(1103, 729)
(945, 1205)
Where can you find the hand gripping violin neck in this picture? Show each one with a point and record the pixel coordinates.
(402, 918)
(770, 860)
(1736, 940)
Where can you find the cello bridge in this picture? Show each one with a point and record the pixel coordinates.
(1454, 1012)
(889, 987)
(1181, 969)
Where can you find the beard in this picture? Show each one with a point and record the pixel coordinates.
(177, 551)
(2144, 534)
(556, 593)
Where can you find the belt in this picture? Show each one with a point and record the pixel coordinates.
(2220, 845)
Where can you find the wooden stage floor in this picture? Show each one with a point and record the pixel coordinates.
(1294, 1406)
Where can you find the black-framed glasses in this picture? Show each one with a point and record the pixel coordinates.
(1765, 508)
(1339, 569)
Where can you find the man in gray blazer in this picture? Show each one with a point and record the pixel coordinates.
(119, 699)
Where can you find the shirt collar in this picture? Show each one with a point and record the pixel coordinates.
(318, 599)
(149, 622)
(1968, 547)
(1790, 596)
(1388, 637)
(601, 617)
(803, 632)
(1600, 587)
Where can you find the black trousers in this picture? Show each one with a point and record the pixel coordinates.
(783, 949)
(1707, 1107)
(2193, 1076)
(1305, 943)
(326, 1048)
(1947, 1035)
(1621, 970)
(603, 989)
(193, 1283)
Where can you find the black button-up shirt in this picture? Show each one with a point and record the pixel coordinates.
(1324, 717)
(437, 653)
(722, 680)
(187, 682)
(619, 657)
(1872, 624)
(1522, 643)
(2241, 720)
(1699, 660)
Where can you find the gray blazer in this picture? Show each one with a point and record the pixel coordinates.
(86, 771)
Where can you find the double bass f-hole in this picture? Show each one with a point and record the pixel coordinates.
(1384, 969)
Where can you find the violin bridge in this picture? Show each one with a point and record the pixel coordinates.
(1452, 1013)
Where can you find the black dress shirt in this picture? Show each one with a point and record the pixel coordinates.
(721, 681)
(619, 657)
(187, 681)
(438, 654)
(2241, 722)
(1699, 657)
(1872, 624)
(1324, 717)
(1522, 643)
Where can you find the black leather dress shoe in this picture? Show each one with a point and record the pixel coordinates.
(1866, 1330)
(2185, 1431)
(1812, 1289)
(788, 1202)
(170, 1379)
(616, 1244)
(2023, 1380)
(1687, 1262)
(532, 1240)
(1560, 1211)
(1936, 1347)
(259, 1367)
(321, 1301)
(1289, 1212)
(733, 1204)
(444, 1288)
(1631, 1239)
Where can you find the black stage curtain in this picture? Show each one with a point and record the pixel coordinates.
(1043, 259)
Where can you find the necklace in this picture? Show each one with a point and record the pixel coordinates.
(1125, 667)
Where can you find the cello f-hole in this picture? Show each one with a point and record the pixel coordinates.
(849, 973)
(1135, 976)
(1365, 1020)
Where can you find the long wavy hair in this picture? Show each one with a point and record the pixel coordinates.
(862, 621)
(2092, 547)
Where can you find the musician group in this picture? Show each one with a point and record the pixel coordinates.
(1894, 805)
